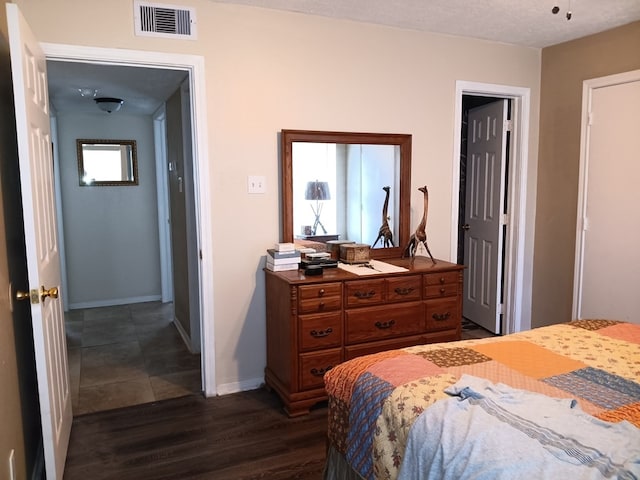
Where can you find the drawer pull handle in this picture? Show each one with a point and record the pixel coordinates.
(320, 372)
(404, 290)
(387, 324)
(321, 333)
(321, 292)
(362, 295)
(441, 316)
(441, 279)
(443, 290)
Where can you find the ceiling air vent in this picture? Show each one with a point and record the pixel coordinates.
(168, 21)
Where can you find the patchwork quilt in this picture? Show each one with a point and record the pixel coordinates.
(374, 400)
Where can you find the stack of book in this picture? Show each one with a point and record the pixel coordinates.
(283, 257)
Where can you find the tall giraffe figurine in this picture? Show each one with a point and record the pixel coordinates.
(420, 235)
(385, 232)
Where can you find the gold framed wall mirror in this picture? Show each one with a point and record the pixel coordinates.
(107, 162)
(347, 186)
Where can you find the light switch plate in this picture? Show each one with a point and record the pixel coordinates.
(256, 184)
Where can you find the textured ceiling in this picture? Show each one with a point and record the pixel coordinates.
(520, 22)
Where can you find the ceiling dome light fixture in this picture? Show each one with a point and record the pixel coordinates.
(109, 104)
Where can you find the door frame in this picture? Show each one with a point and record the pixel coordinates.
(194, 64)
(588, 87)
(517, 274)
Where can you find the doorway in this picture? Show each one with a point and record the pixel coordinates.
(194, 65)
(484, 171)
(124, 344)
(516, 273)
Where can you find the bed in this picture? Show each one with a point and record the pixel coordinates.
(487, 406)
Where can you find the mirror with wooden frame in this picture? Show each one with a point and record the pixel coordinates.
(347, 186)
(107, 162)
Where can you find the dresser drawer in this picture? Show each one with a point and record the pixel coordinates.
(320, 331)
(313, 366)
(403, 289)
(320, 290)
(323, 297)
(437, 291)
(442, 314)
(375, 323)
(441, 278)
(364, 292)
(319, 305)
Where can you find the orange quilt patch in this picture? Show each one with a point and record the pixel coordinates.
(403, 369)
(528, 358)
(623, 331)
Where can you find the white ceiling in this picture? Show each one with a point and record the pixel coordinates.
(519, 22)
(142, 89)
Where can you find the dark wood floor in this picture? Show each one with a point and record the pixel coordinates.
(238, 436)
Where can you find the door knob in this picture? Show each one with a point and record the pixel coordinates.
(466, 226)
(20, 295)
(50, 292)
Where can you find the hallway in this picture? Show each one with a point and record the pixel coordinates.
(127, 355)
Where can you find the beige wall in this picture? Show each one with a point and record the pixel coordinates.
(564, 68)
(269, 70)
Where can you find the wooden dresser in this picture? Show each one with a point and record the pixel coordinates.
(316, 322)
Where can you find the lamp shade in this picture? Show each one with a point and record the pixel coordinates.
(317, 191)
(109, 104)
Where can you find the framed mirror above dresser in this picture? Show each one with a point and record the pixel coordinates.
(347, 186)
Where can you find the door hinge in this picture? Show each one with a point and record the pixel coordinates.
(500, 310)
(504, 219)
(590, 118)
(508, 125)
(200, 253)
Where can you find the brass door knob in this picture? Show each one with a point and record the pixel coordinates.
(20, 295)
(48, 292)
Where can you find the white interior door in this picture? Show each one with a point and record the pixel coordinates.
(486, 159)
(610, 272)
(43, 262)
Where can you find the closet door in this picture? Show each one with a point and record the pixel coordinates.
(610, 276)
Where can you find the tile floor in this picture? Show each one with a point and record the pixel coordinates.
(471, 330)
(126, 355)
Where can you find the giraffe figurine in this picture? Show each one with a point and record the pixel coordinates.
(420, 235)
(385, 232)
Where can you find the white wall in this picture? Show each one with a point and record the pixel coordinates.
(269, 70)
(110, 233)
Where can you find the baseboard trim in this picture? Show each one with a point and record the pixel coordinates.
(235, 387)
(114, 302)
(185, 337)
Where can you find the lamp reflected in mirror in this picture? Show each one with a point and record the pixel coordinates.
(318, 192)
